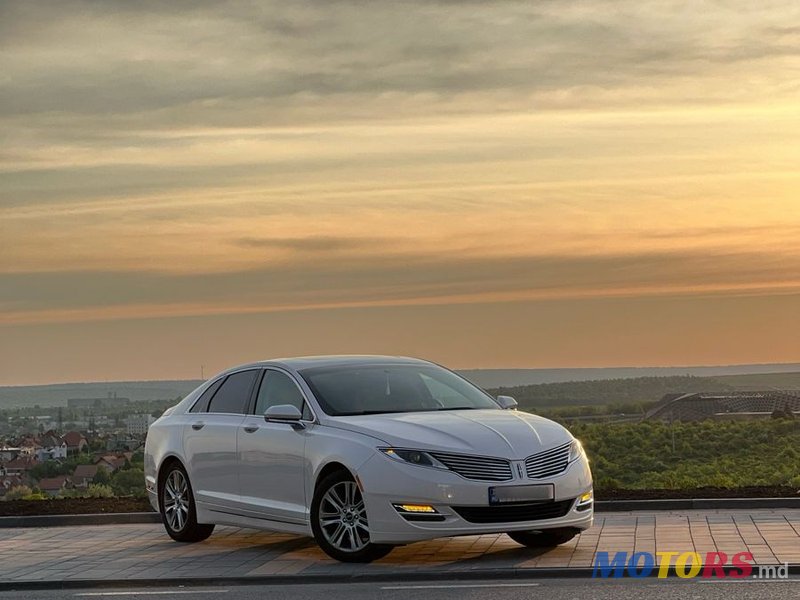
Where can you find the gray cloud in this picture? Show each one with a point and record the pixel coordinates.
(385, 276)
(98, 76)
(315, 245)
(96, 58)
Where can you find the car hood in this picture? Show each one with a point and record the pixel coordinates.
(503, 433)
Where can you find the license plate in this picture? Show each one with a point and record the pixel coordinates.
(509, 494)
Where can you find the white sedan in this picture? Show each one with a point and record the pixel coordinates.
(364, 453)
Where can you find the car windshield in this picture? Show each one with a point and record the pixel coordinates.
(374, 389)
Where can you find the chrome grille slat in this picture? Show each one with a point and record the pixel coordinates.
(469, 460)
(548, 463)
(553, 452)
(476, 467)
(537, 466)
(544, 464)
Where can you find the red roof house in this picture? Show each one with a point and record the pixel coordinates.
(110, 462)
(20, 465)
(83, 475)
(75, 441)
(53, 485)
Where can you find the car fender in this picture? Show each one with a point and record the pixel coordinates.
(164, 441)
(330, 445)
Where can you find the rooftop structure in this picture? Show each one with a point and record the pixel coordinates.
(696, 406)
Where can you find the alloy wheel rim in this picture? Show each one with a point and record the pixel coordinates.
(176, 500)
(343, 517)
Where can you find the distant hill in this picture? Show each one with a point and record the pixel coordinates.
(543, 387)
(58, 394)
(493, 378)
(640, 389)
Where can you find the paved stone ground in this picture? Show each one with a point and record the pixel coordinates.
(145, 551)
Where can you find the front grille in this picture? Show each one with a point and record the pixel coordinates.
(476, 467)
(514, 512)
(548, 463)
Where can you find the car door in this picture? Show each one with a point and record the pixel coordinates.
(272, 469)
(209, 440)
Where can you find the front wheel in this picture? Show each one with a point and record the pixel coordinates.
(339, 521)
(178, 511)
(545, 538)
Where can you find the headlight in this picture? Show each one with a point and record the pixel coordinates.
(576, 451)
(413, 457)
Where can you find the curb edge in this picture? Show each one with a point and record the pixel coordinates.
(310, 579)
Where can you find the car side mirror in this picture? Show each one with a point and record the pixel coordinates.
(507, 402)
(283, 413)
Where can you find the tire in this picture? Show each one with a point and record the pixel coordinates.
(545, 538)
(177, 507)
(339, 521)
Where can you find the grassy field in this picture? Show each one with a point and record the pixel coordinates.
(727, 454)
(762, 381)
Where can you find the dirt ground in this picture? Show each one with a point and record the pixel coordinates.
(705, 492)
(73, 506)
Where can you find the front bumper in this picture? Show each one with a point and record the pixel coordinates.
(386, 482)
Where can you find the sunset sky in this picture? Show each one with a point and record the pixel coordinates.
(484, 184)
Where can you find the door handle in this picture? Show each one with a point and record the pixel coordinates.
(250, 428)
(198, 426)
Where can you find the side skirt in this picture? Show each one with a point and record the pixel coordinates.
(222, 516)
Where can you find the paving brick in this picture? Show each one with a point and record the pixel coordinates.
(144, 551)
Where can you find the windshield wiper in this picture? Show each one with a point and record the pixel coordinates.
(457, 408)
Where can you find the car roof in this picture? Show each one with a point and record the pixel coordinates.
(347, 360)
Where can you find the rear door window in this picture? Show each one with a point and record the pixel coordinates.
(201, 405)
(233, 396)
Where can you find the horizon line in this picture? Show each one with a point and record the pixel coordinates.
(459, 369)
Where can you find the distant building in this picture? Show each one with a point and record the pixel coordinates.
(110, 462)
(20, 465)
(46, 422)
(83, 475)
(53, 485)
(139, 424)
(123, 443)
(9, 481)
(51, 449)
(111, 401)
(7, 453)
(75, 441)
(697, 406)
(28, 446)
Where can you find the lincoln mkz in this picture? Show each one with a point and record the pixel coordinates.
(363, 453)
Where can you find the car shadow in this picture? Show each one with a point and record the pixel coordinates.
(246, 543)
(506, 556)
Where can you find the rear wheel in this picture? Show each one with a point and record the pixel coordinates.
(178, 511)
(339, 521)
(545, 538)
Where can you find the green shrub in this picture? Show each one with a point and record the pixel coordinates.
(129, 482)
(18, 493)
(35, 496)
(99, 491)
(102, 477)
